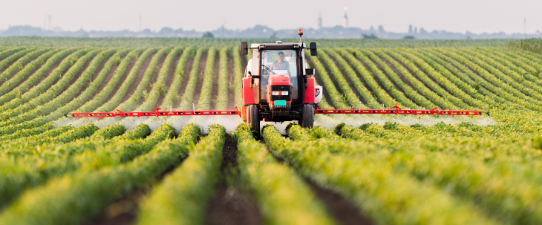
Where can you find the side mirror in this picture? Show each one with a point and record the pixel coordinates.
(244, 48)
(313, 49)
(310, 71)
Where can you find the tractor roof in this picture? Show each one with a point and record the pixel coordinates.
(275, 46)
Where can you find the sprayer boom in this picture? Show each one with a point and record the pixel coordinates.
(399, 111)
(396, 111)
(157, 112)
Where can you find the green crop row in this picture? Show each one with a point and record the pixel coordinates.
(341, 82)
(46, 83)
(386, 196)
(504, 73)
(401, 95)
(77, 196)
(14, 55)
(238, 73)
(32, 79)
(282, 196)
(364, 91)
(62, 104)
(26, 71)
(429, 93)
(188, 95)
(467, 75)
(502, 88)
(172, 94)
(182, 197)
(51, 91)
(204, 101)
(468, 93)
(222, 82)
(444, 82)
(88, 154)
(336, 97)
(18, 65)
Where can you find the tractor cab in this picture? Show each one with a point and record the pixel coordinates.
(277, 86)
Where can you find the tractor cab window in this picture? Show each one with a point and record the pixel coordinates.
(278, 62)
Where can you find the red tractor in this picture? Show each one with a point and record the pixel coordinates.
(277, 86)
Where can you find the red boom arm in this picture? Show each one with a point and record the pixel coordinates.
(397, 111)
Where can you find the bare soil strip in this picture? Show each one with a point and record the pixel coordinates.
(121, 81)
(155, 74)
(416, 76)
(201, 75)
(319, 81)
(339, 207)
(440, 55)
(231, 82)
(386, 74)
(47, 73)
(34, 71)
(332, 78)
(229, 206)
(139, 76)
(214, 93)
(171, 75)
(364, 64)
(93, 76)
(396, 72)
(15, 60)
(23, 66)
(350, 83)
(124, 210)
(186, 77)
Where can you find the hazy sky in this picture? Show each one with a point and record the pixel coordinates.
(395, 15)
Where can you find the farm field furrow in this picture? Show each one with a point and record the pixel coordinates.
(346, 169)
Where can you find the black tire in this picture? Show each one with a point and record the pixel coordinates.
(253, 120)
(307, 119)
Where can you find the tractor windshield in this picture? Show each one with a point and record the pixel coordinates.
(278, 62)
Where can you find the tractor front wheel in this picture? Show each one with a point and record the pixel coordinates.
(253, 120)
(307, 120)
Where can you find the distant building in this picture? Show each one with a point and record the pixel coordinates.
(319, 22)
(345, 19)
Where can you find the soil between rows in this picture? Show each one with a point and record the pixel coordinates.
(230, 206)
(54, 67)
(138, 78)
(339, 207)
(186, 77)
(364, 64)
(349, 81)
(333, 80)
(396, 71)
(93, 76)
(170, 77)
(231, 81)
(319, 82)
(200, 77)
(23, 66)
(216, 79)
(36, 69)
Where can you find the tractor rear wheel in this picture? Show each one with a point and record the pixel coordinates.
(307, 120)
(253, 120)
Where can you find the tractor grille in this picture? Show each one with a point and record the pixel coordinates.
(281, 92)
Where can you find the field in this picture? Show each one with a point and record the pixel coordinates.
(349, 169)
